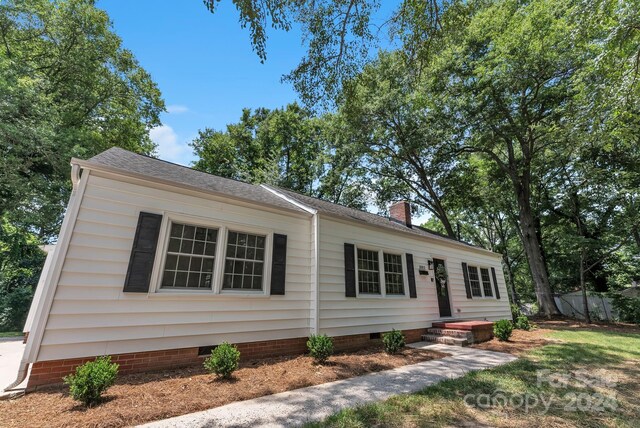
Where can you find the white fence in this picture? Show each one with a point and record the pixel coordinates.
(600, 307)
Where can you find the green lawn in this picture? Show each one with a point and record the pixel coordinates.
(583, 356)
(10, 333)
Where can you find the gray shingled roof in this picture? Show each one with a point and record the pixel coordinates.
(336, 210)
(162, 170)
(128, 161)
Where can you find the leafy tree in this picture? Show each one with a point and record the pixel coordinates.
(278, 147)
(289, 148)
(339, 34)
(69, 89)
(406, 144)
(20, 264)
(539, 99)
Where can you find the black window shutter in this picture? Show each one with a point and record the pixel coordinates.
(467, 284)
(143, 253)
(411, 276)
(495, 282)
(278, 264)
(349, 270)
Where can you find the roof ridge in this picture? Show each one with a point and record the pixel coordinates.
(175, 164)
(347, 212)
(329, 202)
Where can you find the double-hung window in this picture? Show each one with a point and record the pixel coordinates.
(393, 277)
(380, 273)
(486, 282)
(474, 280)
(191, 259)
(480, 281)
(244, 262)
(368, 272)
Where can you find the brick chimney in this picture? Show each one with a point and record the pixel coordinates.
(401, 212)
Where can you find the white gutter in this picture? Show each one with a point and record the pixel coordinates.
(52, 276)
(315, 265)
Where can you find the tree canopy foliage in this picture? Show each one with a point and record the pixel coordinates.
(67, 89)
(513, 123)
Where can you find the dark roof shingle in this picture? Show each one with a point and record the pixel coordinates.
(155, 168)
(336, 210)
(162, 170)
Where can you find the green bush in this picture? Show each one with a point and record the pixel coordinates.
(522, 323)
(502, 329)
(320, 347)
(223, 361)
(628, 308)
(91, 380)
(516, 312)
(393, 341)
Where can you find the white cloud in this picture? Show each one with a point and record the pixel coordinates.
(168, 146)
(177, 109)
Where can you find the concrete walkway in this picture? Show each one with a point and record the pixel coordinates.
(294, 408)
(11, 350)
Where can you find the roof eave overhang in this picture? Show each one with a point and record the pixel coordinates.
(434, 238)
(84, 164)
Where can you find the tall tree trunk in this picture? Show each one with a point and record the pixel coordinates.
(444, 218)
(635, 231)
(512, 286)
(583, 287)
(533, 251)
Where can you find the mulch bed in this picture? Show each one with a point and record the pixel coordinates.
(140, 398)
(520, 342)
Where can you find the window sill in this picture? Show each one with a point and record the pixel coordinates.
(204, 295)
(364, 296)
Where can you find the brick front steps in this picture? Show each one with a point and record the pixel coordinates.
(459, 333)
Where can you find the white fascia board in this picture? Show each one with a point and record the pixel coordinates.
(168, 184)
(41, 311)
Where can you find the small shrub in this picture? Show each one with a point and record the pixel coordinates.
(223, 361)
(320, 347)
(393, 341)
(628, 308)
(502, 329)
(91, 379)
(516, 312)
(522, 323)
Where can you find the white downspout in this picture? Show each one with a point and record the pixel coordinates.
(315, 265)
(52, 275)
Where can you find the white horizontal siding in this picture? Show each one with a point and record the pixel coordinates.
(91, 315)
(340, 315)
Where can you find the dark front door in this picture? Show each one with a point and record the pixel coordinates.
(442, 287)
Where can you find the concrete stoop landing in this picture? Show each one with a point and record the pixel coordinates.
(459, 333)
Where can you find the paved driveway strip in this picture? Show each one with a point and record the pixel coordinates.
(294, 408)
(11, 350)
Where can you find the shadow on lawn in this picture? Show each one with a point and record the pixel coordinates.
(443, 404)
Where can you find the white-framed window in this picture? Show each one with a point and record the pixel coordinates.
(199, 255)
(486, 282)
(480, 281)
(368, 272)
(244, 261)
(393, 274)
(190, 257)
(380, 272)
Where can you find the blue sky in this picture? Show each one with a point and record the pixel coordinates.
(203, 64)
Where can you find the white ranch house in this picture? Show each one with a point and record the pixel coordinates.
(157, 263)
